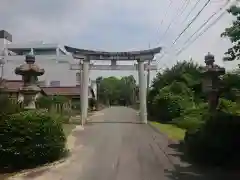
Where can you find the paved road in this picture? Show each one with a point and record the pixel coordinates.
(114, 146)
(122, 149)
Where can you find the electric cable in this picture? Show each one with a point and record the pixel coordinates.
(189, 24)
(192, 21)
(208, 27)
(203, 32)
(165, 15)
(181, 10)
(193, 8)
(202, 26)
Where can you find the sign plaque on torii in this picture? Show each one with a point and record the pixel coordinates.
(87, 55)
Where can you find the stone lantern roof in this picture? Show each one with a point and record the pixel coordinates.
(211, 68)
(209, 59)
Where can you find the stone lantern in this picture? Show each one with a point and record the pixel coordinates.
(211, 81)
(30, 90)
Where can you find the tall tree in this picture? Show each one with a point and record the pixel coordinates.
(117, 91)
(233, 33)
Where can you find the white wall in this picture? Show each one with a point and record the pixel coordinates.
(3, 43)
(53, 71)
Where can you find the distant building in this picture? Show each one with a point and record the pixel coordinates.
(12, 87)
(5, 38)
(52, 57)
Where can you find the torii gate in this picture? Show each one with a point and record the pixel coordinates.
(87, 55)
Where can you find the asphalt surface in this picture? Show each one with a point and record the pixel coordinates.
(115, 146)
(119, 148)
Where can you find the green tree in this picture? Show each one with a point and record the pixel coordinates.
(231, 86)
(128, 87)
(183, 79)
(113, 90)
(233, 33)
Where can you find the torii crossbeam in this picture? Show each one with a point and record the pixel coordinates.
(87, 55)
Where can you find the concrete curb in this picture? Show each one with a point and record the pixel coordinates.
(38, 170)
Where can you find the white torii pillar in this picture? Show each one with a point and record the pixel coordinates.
(142, 92)
(84, 94)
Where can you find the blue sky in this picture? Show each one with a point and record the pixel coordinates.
(114, 25)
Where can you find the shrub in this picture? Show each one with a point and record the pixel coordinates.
(170, 101)
(61, 118)
(30, 138)
(8, 106)
(217, 141)
(45, 102)
(192, 118)
(228, 106)
(188, 123)
(166, 107)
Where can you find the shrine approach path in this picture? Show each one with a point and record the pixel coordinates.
(115, 146)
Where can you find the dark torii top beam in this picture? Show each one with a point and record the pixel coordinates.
(104, 54)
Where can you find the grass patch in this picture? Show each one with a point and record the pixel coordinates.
(172, 131)
(67, 128)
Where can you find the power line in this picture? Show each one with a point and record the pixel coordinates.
(205, 30)
(189, 24)
(183, 7)
(165, 15)
(192, 21)
(202, 26)
(181, 10)
(167, 10)
(193, 8)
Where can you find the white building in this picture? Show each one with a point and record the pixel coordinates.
(52, 57)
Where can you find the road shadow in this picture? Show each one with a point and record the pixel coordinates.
(193, 171)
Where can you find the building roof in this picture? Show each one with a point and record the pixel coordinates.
(11, 85)
(34, 45)
(37, 45)
(62, 90)
(15, 85)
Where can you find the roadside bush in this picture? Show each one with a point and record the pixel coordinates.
(61, 118)
(170, 101)
(44, 102)
(7, 106)
(192, 118)
(228, 106)
(166, 107)
(217, 142)
(30, 138)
